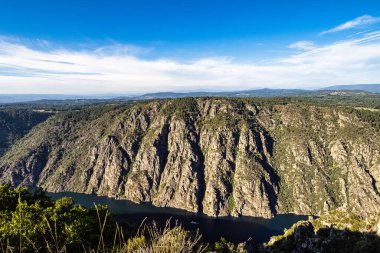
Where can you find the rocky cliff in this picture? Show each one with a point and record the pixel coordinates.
(15, 123)
(335, 231)
(216, 156)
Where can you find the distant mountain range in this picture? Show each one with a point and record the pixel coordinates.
(374, 88)
(246, 93)
(21, 98)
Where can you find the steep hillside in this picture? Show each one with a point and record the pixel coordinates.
(335, 231)
(216, 156)
(15, 123)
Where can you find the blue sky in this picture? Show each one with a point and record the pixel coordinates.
(143, 46)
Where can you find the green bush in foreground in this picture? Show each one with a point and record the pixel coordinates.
(32, 222)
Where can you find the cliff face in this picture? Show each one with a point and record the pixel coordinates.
(216, 156)
(15, 123)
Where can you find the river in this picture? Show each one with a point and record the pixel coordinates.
(233, 229)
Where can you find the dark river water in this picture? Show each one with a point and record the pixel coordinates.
(233, 229)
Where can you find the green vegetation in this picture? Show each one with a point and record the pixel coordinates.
(35, 223)
(295, 141)
(73, 142)
(32, 222)
(370, 116)
(335, 231)
(231, 204)
(223, 246)
(15, 123)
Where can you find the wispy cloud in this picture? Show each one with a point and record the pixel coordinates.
(361, 21)
(303, 45)
(26, 69)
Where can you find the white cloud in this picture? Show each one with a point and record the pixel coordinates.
(303, 45)
(357, 22)
(27, 70)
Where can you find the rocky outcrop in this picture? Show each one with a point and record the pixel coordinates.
(216, 156)
(335, 231)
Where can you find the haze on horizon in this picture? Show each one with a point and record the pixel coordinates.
(134, 47)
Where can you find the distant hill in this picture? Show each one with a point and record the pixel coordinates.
(90, 99)
(366, 89)
(374, 88)
(245, 93)
(25, 98)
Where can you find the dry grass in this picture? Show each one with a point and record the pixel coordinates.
(150, 238)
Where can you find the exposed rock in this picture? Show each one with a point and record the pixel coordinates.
(335, 231)
(216, 156)
(303, 231)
